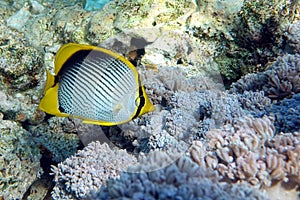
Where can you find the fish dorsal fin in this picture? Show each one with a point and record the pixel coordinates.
(66, 51)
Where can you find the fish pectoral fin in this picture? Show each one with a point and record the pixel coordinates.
(118, 107)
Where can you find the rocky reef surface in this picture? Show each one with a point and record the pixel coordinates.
(225, 81)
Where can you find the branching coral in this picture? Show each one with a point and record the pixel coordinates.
(88, 170)
(184, 113)
(249, 152)
(284, 78)
(180, 180)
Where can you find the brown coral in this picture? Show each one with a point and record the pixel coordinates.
(249, 151)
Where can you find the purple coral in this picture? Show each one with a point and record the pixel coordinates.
(287, 114)
(88, 170)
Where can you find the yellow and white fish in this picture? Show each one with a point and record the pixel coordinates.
(96, 85)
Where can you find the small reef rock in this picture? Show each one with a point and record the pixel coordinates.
(20, 160)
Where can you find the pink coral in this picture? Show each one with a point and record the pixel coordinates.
(248, 151)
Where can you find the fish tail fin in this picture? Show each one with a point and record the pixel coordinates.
(148, 106)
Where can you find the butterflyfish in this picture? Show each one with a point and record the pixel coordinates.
(94, 84)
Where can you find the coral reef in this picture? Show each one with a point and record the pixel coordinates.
(19, 160)
(248, 35)
(149, 13)
(214, 19)
(249, 152)
(117, 17)
(181, 48)
(180, 180)
(20, 77)
(88, 169)
(86, 132)
(40, 188)
(184, 113)
(61, 145)
(284, 79)
(71, 26)
(280, 81)
(18, 20)
(21, 107)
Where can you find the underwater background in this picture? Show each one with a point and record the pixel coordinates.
(223, 75)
